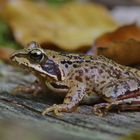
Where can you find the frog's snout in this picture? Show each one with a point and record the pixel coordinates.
(13, 55)
(16, 54)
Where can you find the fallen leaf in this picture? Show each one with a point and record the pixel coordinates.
(5, 53)
(69, 27)
(124, 52)
(123, 33)
(121, 45)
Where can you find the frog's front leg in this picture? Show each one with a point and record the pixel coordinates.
(123, 94)
(74, 96)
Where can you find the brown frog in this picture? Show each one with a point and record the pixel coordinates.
(82, 78)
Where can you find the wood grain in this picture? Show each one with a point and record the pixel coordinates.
(22, 114)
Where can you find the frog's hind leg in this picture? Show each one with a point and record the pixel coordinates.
(123, 95)
(132, 103)
(102, 109)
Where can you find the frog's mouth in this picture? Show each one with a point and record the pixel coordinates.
(57, 88)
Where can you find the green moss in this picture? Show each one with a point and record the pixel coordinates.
(55, 2)
(58, 1)
(132, 136)
(6, 36)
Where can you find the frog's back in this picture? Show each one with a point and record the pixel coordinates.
(109, 67)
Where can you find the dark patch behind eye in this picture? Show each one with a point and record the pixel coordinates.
(52, 68)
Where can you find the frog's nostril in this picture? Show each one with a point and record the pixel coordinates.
(12, 56)
(16, 54)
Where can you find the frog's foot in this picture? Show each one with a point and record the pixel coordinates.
(101, 109)
(33, 89)
(56, 109)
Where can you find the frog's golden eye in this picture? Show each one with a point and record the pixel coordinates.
(36, 55)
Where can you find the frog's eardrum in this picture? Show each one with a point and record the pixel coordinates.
(69, 27)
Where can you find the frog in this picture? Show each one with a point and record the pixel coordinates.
(81, 78)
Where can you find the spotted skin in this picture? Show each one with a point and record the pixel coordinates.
(81, 78)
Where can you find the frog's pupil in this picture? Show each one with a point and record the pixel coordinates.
(36, 55)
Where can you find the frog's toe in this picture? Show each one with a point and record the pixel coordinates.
(101, 109)
(57, 109)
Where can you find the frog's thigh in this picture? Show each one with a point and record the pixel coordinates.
(116, 94)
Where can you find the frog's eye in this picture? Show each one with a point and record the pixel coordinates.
(36, 55)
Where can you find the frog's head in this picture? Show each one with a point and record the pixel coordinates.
(34, 58)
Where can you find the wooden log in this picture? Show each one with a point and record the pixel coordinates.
(22, 114)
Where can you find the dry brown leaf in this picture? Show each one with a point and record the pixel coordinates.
(123, 33)
(121, 45)
(69, 27)
(5, 53)
(123, 52)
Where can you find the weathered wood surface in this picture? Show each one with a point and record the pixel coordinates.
(22, 114)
